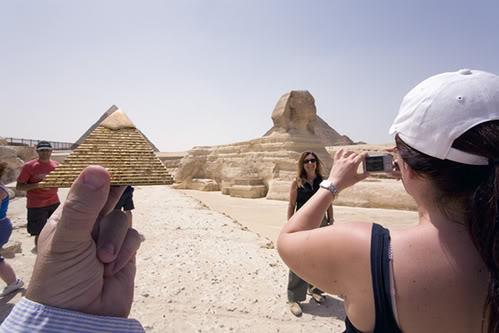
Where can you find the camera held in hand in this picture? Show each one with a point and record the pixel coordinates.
(378, 163)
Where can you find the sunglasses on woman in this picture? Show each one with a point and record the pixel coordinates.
(310, 160)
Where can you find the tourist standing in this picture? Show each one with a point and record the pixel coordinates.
(306, 183)
(6, 272)
(41, 202)
(441, 275)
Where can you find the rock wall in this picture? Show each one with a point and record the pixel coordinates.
(270, 158)
(171, 160)
(15, 156)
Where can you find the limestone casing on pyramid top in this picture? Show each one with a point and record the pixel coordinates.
(117, 120)
(105, 115)
(116, 144)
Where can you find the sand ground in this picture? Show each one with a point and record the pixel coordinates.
(208, 263)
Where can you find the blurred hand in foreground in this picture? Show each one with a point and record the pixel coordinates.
(344, 172)
(86, 252)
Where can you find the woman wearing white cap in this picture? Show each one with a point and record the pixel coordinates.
(442, 274)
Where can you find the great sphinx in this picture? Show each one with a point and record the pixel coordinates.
(269, 161)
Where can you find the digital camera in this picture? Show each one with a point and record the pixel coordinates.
(378, 163)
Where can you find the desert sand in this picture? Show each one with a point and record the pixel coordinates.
(208, 263)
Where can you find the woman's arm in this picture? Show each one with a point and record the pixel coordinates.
(330, 216)
(3, 194)
(292, 199)
(26, 187)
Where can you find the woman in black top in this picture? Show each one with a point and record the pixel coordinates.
(306, 183)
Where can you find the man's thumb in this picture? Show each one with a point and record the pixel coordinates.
(85, 200)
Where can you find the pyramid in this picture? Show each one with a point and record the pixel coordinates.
(116, 144)
(106, 114)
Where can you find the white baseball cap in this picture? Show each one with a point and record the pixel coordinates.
(443, 107)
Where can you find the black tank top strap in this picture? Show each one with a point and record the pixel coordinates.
(380, 274)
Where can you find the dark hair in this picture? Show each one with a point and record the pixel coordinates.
(301, 174)
(469, 194)
(3, 166)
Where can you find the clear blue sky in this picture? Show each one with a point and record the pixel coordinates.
(198, 72)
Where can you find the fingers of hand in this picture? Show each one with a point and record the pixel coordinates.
(338, 154)
(118, 291)
(112, 231)
(127, 252)
(362, 176)
(114, 196)
(345, 169)
(348, 154)
(85, 200)
(359, 158)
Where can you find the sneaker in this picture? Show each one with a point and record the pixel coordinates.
(12, 287)
(318, 297)
(295, 309)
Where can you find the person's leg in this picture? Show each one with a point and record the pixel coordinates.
(9, 277)
(43, 215)
(316, 293)
(128, 214)
(35, 219)
(6, 272)
(51, 209)
(297, 288)
(297, 291)
(29, 218)
(128, 206)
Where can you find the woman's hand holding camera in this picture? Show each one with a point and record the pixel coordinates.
(344, 171)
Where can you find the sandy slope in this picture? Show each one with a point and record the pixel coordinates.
(199, 271)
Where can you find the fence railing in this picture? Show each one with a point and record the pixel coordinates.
(57, 145)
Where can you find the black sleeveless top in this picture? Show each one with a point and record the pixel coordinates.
(380, 274)
(307, 191)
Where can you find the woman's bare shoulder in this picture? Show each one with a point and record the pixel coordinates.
(354, 229)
